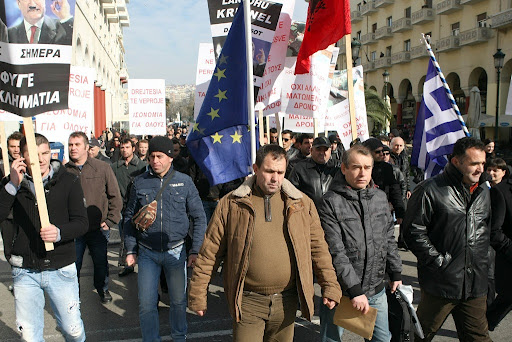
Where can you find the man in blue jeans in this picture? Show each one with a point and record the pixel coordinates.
(359, 231)
(162, 246)
(37, 272)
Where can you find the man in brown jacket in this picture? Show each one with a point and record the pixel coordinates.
(104, 204)
(269, 236)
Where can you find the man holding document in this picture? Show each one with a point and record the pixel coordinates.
(359, 231)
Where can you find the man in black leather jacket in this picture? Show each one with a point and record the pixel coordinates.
(447, 227)
(314, 175)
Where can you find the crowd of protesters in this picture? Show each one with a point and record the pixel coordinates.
(313, 210)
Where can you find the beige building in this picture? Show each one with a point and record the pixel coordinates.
(465, 34)
(98, 44)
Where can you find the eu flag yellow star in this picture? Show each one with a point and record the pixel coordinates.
(220, 74)
(223, 59)
(221, 95)
(214, 113)
(236, 137)
(195, 127)
(216, 138)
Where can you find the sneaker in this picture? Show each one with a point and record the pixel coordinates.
(105, 297)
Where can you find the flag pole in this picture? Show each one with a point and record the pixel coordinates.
(445, 85)
(3, 144)
(350, 83)
(250, 81)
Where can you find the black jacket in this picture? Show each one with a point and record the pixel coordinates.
(399, 176)
(66, 208)
(313, 179)
(360, 233)
(501, 234)
(448, 229)
(383, 176)
(402, 161)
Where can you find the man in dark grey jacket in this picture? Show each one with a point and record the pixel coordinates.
(359, 231)
(447, 227)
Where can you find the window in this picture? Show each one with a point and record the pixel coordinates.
(455, 29)
(389, 21)
(407, 12)
(373, 56)
(388, 51)
(428, 4)
(374, 28)
(358, 35)
(407, 45)
(481, 20)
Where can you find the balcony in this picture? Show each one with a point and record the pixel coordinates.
(368, 8)
(422, 16)
(469, 2)
(475, 36)
(419, 52)
(355, 16)
(368, 38)
(383, 62)
(401, 57)
(109, 8)
(123, 15)
(124, 22)
(383, 3)
(401, 25)
(106, 1)
(112, 18)
(448, 6)
(370, 66)
(448, 43)
(383, 32)
(502, 19)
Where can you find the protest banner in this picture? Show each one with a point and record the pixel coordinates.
(307, 94)
(338, 114)
(264, 19)
(205, 70)
(147, 106)
(270, 91)
(298, 123)
(57, 125)
(34, 67)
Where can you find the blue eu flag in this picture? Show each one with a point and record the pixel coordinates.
(219, 140)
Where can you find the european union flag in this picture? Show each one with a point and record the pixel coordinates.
(219, 140)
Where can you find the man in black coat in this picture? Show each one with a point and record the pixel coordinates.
(38, 28)
(383, 176)
(447, 227)
(35, 270)
(501, 240)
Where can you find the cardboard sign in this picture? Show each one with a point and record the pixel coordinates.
(147, 106)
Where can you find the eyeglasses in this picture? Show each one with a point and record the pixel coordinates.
(379, 152)
(386, 153)
(286, 139)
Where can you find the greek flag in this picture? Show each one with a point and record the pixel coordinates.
(437, 126)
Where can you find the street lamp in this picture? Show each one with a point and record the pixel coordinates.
(356, 46)
(385, 77)
(499, 57)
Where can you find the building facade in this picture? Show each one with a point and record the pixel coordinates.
(464, 34)
(98, 44)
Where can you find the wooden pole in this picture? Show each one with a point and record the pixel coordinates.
(267, 124)
(36, 176)
(350, 80)
(261, 125)
(3, 144)
(278, 127)
(315, 127)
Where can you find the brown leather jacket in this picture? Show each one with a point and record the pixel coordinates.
(229, 237)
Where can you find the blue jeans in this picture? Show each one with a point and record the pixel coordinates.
(330, 332)
(61, 286)
(173, 262)
(209, 208)
(96, 241)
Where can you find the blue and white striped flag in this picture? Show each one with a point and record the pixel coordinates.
(437, 126)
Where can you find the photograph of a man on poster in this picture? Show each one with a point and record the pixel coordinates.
(40, 21)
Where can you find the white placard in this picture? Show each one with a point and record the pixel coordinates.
(147, 106)
(205, 69)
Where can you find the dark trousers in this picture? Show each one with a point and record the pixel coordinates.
(96, 241)
(498, 310)
(266, 317)
(469, 317)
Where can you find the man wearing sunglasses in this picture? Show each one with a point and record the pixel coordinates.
(288, 140)
(382, 175)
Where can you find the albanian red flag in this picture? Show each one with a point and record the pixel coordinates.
(328, 21)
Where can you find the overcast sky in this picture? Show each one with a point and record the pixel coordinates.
(163, 38)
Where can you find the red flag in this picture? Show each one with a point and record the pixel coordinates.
(328, 21)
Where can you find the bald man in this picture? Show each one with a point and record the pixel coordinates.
(401, 159)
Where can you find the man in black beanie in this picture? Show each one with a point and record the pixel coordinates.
(382, 175)
(161, 246)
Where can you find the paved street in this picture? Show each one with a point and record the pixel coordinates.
(118, 321)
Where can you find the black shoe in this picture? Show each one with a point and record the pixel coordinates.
(125, 271)
(105, 297)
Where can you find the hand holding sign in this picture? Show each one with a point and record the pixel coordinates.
(61, 9)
